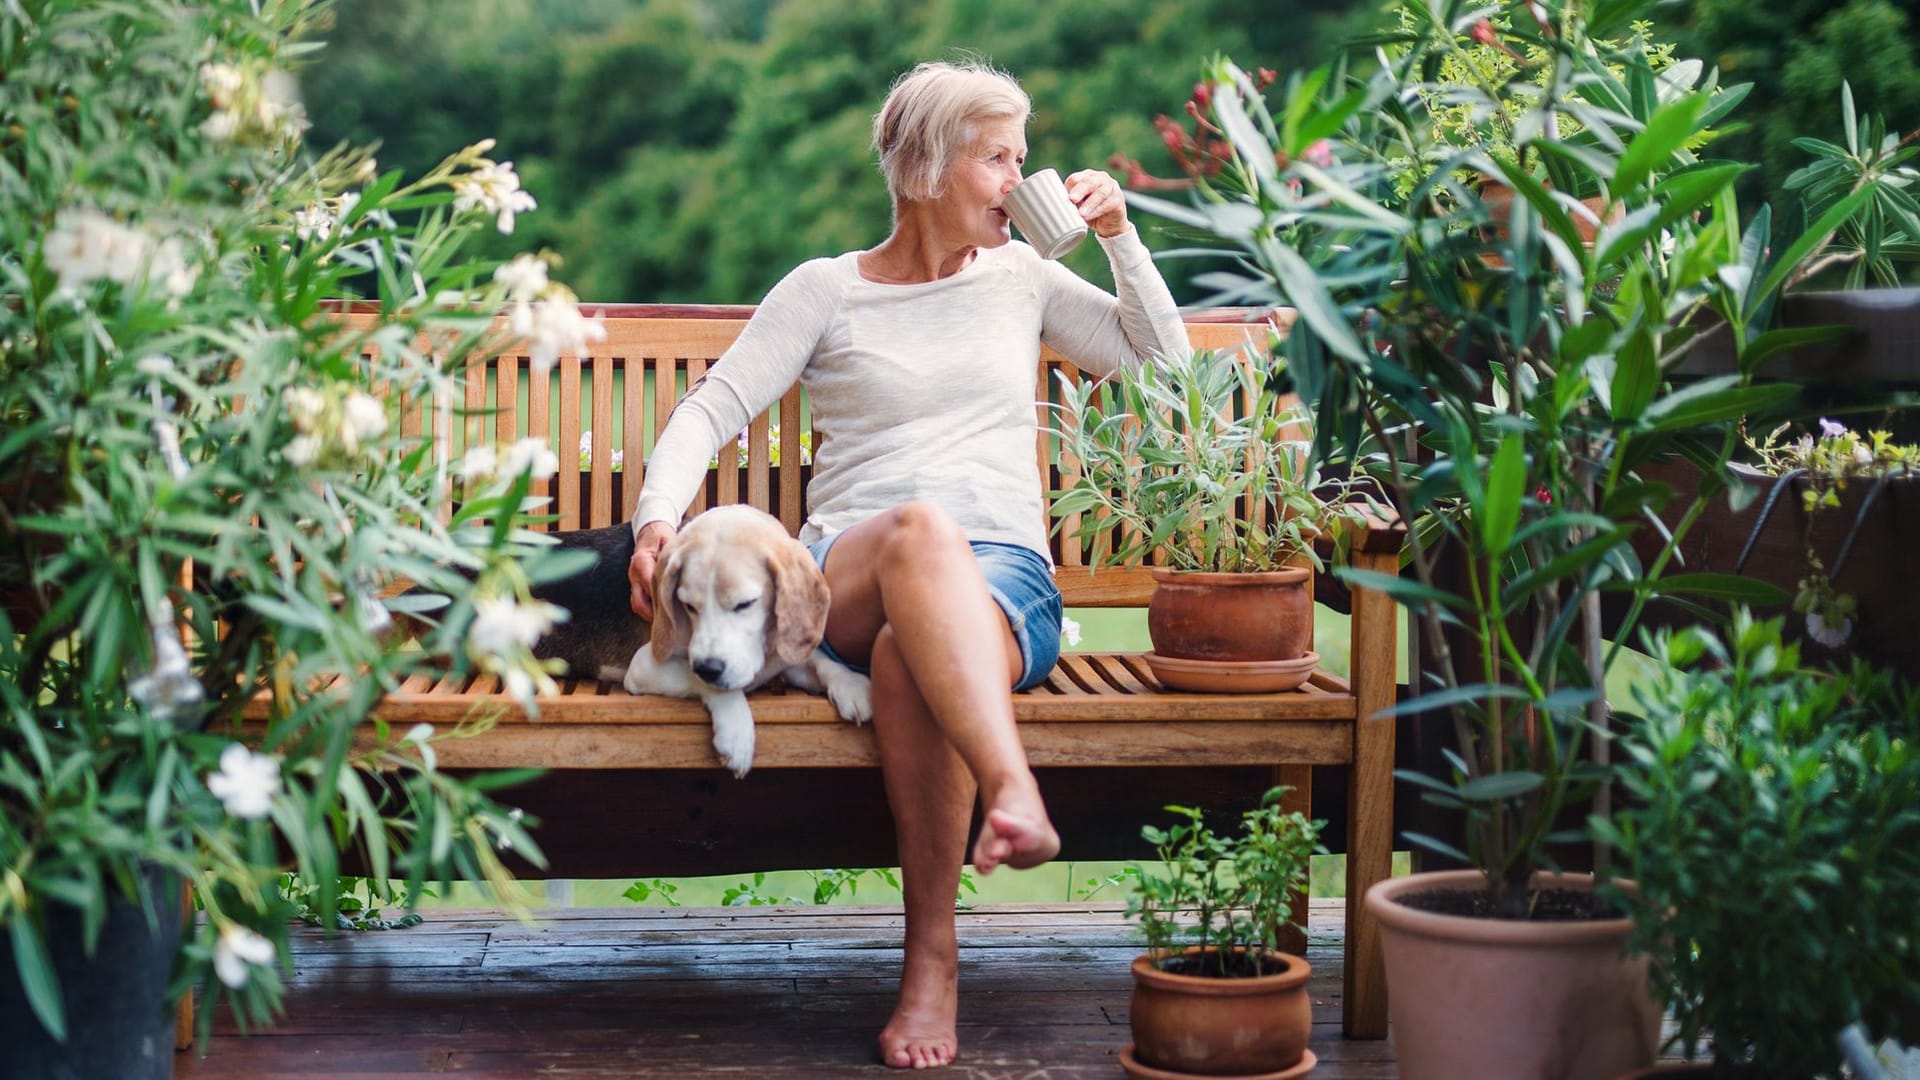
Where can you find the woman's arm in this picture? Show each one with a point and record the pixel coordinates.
(767, 358)
(1103, 333)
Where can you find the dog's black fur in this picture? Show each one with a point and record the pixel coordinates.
(601, 630)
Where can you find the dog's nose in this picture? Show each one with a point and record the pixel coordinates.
(709, 670)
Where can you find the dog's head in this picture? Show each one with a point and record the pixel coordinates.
(734, 593)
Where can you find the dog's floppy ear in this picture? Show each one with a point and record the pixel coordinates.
(671, 632)
(800, 600)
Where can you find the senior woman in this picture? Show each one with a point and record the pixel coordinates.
(926, 515)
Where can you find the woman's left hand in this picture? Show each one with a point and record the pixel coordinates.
(1100, 201)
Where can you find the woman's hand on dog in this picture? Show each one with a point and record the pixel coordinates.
(647, 546)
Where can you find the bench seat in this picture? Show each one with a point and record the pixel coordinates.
(1095, 709)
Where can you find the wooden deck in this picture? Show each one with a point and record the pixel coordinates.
(774, 993)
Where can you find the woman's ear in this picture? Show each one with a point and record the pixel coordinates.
(800, 600)
(671, 633)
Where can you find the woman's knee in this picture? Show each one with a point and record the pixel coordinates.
(917, 531)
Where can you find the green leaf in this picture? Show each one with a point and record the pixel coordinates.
(1506, 484)
(36, 975)
(1636, 375)
(1666, 132)
(1714, 401)
(1499, 786)
(1814, 237)
(1773, 342)
(1735, 588)
(1409, 591)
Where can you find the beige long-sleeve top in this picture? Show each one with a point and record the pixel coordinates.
(919, 392)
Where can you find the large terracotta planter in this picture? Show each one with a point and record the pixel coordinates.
(1231, 617)
(1194, 1025)
(1492, 997)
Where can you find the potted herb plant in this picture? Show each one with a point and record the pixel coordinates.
(210, 493)
(1203, 463)
(1507, 387)
(1772, 827)
(1213, 994)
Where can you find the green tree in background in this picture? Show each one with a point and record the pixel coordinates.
(696, 150)
(1797, 53)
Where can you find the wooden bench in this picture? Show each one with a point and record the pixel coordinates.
(1097, 711)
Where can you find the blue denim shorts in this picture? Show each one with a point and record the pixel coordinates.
(1022, 584)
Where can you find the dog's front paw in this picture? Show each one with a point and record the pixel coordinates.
(852, 696)
(732, 732)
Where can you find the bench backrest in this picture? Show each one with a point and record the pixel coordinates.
(605, 411)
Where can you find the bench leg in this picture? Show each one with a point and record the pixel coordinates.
(183, 1019)
(1299, 798)
(1370, 801)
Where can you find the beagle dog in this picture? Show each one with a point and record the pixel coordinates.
(737, 603)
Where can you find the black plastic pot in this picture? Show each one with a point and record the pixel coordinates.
(118, 1023)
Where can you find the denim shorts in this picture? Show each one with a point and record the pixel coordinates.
(1022, 584)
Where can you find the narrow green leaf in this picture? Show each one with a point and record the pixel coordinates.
(36, 976)
(1506, 483)
(1666, 132)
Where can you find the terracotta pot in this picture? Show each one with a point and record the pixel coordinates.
(1497, 997)
(1231, 617)
(1205, 1026)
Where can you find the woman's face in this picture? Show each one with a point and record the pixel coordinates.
(970, 210)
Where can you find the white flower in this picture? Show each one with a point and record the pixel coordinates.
(554, 327)
(222, 83)
(419, 735)
(86, 245)
(1831, 636)
(1069, 632)
(364, 418)
(1862, 455)
(312, 222)
(154, 364)
(1830, 429)
(279, 111)
(478, 464)
(246, 782)
(502, 625)
(494, 189)
(301, 450)
(365, 173)
(530, 454)
(220, 126)
(304, 406)
(237, 949)
(170, 268)
(525, 277)
(343, 206)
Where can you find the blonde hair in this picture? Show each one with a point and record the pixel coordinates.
(932, 116)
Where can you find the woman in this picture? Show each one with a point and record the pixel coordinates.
(926, 513)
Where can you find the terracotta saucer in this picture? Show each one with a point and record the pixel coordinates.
(1231, 676)
(1147, 1072)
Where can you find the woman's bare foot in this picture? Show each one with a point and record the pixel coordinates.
(920, 1034)
(1016, 832)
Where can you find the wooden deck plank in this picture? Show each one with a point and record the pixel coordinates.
(772, 993)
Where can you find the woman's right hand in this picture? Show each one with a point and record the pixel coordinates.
(646, 556)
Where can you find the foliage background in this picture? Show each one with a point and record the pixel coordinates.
(695, 150)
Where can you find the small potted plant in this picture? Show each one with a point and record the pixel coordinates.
(1213, 995)
(1201, 463)
(1772, 825)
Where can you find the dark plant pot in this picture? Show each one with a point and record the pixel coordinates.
(1473, 997)
(1879, 572)
(1881, 348)
(1192, 1025)
(118, 1021)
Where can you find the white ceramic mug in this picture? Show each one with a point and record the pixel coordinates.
(1045, 216)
